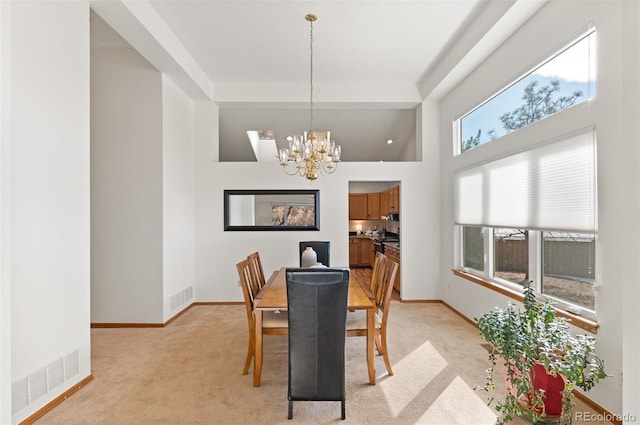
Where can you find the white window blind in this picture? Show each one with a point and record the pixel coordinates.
(551, 187)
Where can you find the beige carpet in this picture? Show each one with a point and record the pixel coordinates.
(190, 373)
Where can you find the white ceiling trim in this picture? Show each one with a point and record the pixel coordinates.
(141, 26)
(496, 22)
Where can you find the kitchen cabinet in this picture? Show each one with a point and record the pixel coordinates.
(353, 251)
(373, 206)
(365, 252)
(390, 201)
(360, 252)
(393, 253)
(384, 203)
(394, 199)
(364, 206)
(358, 206)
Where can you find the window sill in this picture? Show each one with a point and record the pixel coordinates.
(578, 321)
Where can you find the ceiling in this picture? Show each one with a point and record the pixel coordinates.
(374, 62)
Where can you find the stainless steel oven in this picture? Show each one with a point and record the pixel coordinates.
(378, 246)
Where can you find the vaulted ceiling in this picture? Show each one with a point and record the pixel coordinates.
(374, 62)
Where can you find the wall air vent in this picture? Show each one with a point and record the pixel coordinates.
(55, 373)
(71, 367)
(38, 384)
(19, 395)
(181, 298)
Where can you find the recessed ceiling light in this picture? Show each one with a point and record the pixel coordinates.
(289, 138)
(389, 141)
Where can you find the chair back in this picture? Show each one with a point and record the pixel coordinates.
(386, 275)
(249, 287)
(317, 307)
(256, 268)
(375, 271)
(322, 249)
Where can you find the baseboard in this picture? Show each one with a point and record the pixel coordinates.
(56, 401)
(168, 322)
(127, 325)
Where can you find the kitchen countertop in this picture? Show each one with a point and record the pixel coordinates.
(376, 239)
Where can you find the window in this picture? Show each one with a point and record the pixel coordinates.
(566, 79)
(563, 266)
(511, 255)
(531, 217)
(569, 267)
(473, 248)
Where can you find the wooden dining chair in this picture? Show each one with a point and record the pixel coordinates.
(317, 306)
(256, 268)
(383, 287)
(375, 273)
(273, 322)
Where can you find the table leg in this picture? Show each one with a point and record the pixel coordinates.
(257, 356)
(371, 345)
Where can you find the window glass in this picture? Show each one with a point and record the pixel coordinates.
(511, 255)
(473, 247)
(569, 267)
(565, 80)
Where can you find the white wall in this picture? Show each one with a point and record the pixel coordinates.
(126, 188)
(218, 251)
(48, 203)
(177, 199)
(142, 131)
(631, 126)
(5, 276)
(555, 24)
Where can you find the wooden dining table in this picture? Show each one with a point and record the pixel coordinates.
(273, 296)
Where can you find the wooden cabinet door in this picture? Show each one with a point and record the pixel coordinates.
(373, 206)
(384, 202)
(366, 252)
(394, 199)
(353, 252)
(357, 206)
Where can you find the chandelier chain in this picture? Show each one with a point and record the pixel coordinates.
(311, 76)
(315, 153)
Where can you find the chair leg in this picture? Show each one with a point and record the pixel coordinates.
(290, 409)
(251, 349)
(384, 351)
(343, 412)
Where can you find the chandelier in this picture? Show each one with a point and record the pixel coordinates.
(314, 151)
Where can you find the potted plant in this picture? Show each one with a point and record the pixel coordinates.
(543, 360)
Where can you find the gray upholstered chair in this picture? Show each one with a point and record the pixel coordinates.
(317, 307)
(322, 249)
